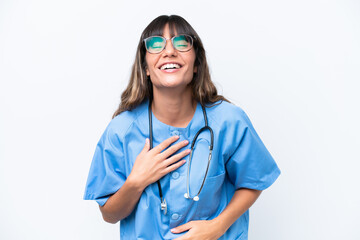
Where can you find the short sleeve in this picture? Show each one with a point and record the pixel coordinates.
(251, 165)
(107, 170)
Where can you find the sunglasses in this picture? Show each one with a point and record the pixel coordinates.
(155, 44)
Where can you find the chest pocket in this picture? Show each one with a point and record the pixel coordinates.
(211, 193)
(209, 203)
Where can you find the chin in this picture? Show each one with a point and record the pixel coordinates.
(175, 83)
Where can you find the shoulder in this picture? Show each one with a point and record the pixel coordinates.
(223, 112)
(121, 124)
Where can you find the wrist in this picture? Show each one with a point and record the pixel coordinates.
(136, 183)
(219, 225)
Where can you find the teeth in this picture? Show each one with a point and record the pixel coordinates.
(170, 65)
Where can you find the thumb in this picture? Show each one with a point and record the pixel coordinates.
(182, 228)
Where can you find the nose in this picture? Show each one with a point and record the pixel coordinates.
(169, 49)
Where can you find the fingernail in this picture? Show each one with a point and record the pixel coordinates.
(186, 141)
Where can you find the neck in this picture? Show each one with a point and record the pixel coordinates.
(173, 108)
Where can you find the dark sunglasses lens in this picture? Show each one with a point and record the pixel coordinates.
(182, 43)
(154, 44)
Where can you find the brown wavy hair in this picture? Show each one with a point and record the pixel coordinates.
(140, 87)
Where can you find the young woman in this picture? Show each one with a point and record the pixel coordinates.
(177, 161)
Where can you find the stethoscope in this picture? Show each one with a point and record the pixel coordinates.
(187, 194)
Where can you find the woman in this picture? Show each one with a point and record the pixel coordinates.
(154, 170)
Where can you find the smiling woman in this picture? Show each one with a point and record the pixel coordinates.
(173, 67)
(177, 160)
(140, 85)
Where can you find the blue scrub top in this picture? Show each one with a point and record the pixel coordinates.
(239, 160)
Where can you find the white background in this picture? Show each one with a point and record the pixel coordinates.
(293, 66)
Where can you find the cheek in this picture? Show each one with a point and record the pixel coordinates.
(192, 61)
(151, 61)
(192, 64)
(147, 64)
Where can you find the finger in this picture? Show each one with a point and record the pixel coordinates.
(173, 149)
(146, 146)
(182, 228)
(176, 157)
(159, 148)
(174, 166)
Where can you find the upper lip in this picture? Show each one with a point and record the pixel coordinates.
(168, 63)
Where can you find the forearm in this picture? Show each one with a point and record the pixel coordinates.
(122, 203)
(239, 204)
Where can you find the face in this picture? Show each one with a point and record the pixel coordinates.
(166, 77)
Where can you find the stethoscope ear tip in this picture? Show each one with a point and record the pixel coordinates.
(196, 198)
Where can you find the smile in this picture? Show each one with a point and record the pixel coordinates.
(170, 66)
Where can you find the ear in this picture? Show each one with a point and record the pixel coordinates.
(147, 72)
(195, 69)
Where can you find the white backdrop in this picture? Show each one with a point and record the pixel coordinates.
(293, 66)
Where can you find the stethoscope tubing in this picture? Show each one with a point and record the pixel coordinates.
(187, 195)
